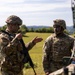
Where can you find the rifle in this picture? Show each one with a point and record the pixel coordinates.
(68, 59)
(25, 52)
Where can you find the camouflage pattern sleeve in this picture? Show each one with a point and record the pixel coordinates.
(29, 45)
(46, 54)
(7, 46)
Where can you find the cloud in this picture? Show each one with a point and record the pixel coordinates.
(11, 1)
(39, 10)
(30, 7)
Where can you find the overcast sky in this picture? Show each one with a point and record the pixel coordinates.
(36, 12)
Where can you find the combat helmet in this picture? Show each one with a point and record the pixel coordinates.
(60, 22)
(14, 20)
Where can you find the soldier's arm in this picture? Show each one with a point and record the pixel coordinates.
(33, 42)
(7, 46)
(30, 45)
(46, 55)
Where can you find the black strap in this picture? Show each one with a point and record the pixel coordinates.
(24, 51)
(5, 32)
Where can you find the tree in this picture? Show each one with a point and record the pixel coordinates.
(23, 29)
(4, 27)
(32, 30)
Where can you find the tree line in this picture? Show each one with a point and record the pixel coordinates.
(24, 29)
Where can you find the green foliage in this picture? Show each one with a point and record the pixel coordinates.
(3, 27)
(27, 65)
(50, 30)
(45, 30)
(23, 29)
(31, 30)
(66, 31)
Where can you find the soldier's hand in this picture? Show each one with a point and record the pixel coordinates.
(37, 39)
(47, 73)
(18, 36)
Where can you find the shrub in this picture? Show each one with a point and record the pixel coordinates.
(27, 65)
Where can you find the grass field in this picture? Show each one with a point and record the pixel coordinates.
(36, 53)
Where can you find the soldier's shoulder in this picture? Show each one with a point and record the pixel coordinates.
(3, 35)
(49, 38)
(70, 37)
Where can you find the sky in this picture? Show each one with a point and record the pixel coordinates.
(37, 12)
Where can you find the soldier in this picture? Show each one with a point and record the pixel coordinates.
(11, 47)
(56, 46)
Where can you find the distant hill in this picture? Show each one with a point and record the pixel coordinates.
(36, 27)
(69, 28)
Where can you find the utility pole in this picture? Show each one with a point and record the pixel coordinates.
(73, 11)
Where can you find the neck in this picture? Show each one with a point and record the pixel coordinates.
(59, 35)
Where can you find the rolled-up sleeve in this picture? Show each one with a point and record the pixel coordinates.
(30, 45)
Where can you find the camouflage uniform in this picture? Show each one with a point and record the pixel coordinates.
(11, 62)
(55, 48)
(12, 59)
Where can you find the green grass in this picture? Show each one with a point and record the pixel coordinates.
(36, 52)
